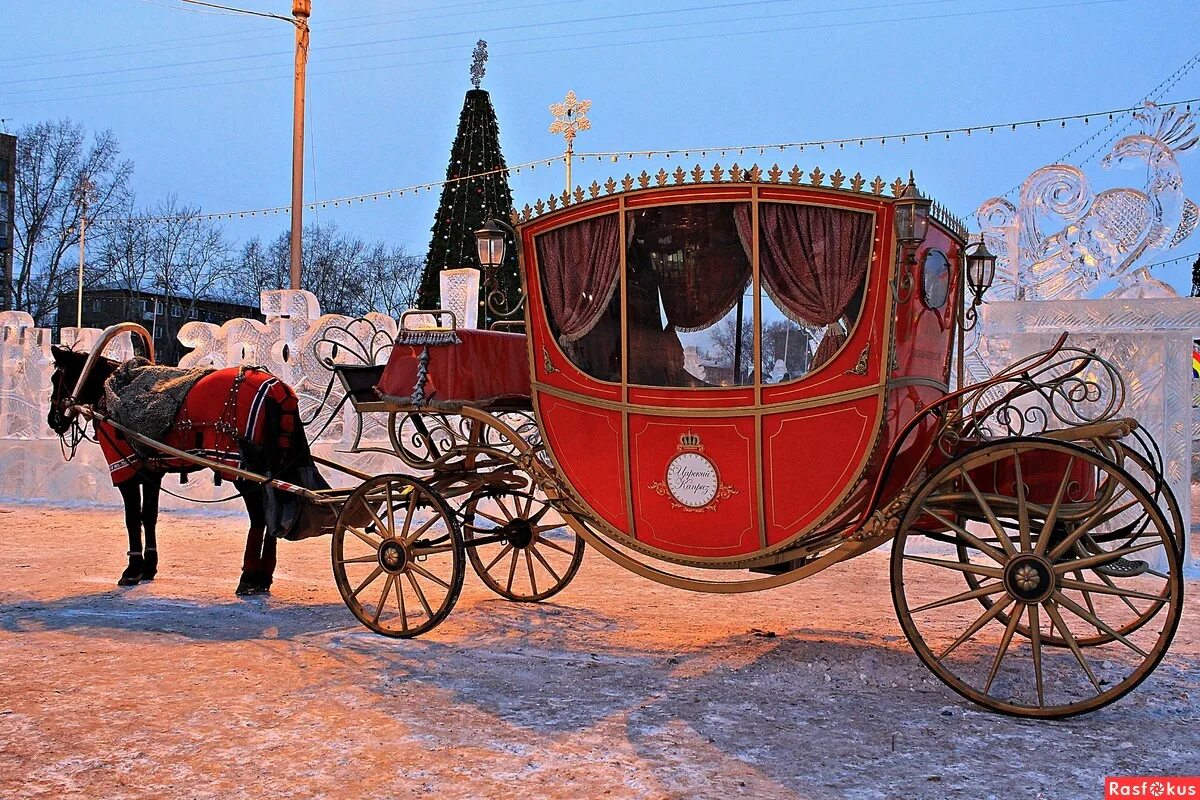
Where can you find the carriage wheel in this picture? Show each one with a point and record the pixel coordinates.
(1061, 564)
(1149, 478)
(398, 556)
(519, 545)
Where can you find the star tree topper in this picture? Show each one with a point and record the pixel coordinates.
(479, 57)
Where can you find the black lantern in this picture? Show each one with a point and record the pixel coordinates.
(981, 269)
(912, 216)
(491, 244)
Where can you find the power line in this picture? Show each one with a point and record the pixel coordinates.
(656, 41)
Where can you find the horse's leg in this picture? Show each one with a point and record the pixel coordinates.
(151, 486)
(266, 569)
(131, 495)
(252, 496)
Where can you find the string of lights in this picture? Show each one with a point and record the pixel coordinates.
(348, 200)
(882, 139)
(720, 151)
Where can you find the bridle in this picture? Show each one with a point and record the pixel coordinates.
(75, 432)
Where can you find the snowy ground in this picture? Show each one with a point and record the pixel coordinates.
(618, 688)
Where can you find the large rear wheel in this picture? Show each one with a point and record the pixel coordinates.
(1063, 547)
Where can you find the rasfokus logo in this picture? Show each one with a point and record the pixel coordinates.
(1152, 787)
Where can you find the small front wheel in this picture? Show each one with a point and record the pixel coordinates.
(398, 556)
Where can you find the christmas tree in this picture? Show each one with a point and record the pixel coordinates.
(476, 188)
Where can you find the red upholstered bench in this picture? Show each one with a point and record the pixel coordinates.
(481, 369)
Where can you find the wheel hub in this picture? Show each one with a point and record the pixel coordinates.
(392, 556)
(1029, 578)
(519, 533)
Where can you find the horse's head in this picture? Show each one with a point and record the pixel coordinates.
(68, 366)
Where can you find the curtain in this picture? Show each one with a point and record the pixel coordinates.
(579, 265)
(812, 262)
(715, 269)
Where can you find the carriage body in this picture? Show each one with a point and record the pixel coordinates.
(684, 458)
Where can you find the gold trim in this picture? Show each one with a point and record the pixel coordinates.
(860, 368)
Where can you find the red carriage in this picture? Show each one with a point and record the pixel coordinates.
(727, 386)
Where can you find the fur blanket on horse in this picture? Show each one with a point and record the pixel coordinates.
(146, 397)
(244, 417)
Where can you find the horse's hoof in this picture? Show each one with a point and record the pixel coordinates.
(150, 568)
(244, 588)
(129, 579)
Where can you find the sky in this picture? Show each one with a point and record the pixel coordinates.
(201, 101)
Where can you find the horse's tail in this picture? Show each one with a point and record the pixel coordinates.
(289, 458)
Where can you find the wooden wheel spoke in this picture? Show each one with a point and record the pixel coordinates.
(408, 514)
(537, 518)
(365, 537)
(1052, 515)
(528, 505)
(1087, 596)
(508, 515)
(375, 517)
(387, 585)
(374, 574)
(1035, 641)
(496, 560)
(555, 545)
(399, 589)
(495, 520)
(1069, 638)
(512, 570)
(1022, 504)
(975, 626)
(420, 594)
(1097, 517)
(529, 566)
(1094, 620)
(982, 591)
(997, 528)
(545, 563)
(417, 568)
(959, 566)
(359, 560)
(1005, 641)
(1112, 585)
(1101, 558)
(1111, 589)
(426, 525)
(391, 510)
(972, 539)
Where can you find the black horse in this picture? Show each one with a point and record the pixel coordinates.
(278, 448)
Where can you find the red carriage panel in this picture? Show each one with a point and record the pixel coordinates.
(694, 485)
(593, 463)
(811, 459)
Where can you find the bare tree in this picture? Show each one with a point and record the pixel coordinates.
(348, 275)
(54, 159)
(190, 261)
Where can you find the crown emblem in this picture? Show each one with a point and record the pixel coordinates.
(690, 441)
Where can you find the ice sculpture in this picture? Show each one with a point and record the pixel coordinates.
(460, 293)
(1065, 241)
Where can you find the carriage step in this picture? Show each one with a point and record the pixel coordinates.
(1122, 568)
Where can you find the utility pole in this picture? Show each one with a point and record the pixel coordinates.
(301, 9)
(84, 198)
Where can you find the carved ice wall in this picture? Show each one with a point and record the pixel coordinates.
(294, 342)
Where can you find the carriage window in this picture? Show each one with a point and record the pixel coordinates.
(690, 316)
(812, 269)
(579, 265)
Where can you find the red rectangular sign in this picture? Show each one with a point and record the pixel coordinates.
(1153, 788)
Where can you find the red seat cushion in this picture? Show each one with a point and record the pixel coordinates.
(486, 368)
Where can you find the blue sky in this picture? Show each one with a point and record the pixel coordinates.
(202, 101)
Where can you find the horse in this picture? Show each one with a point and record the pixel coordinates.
(241, 417)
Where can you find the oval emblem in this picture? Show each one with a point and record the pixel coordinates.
(692, 480)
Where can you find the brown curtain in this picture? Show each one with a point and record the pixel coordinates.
(812, 262)
(579, 265)
(714, 272)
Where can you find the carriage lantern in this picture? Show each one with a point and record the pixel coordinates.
(981, 269)
(912, 218)
(491, 245)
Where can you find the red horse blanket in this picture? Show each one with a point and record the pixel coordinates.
(222, 410)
